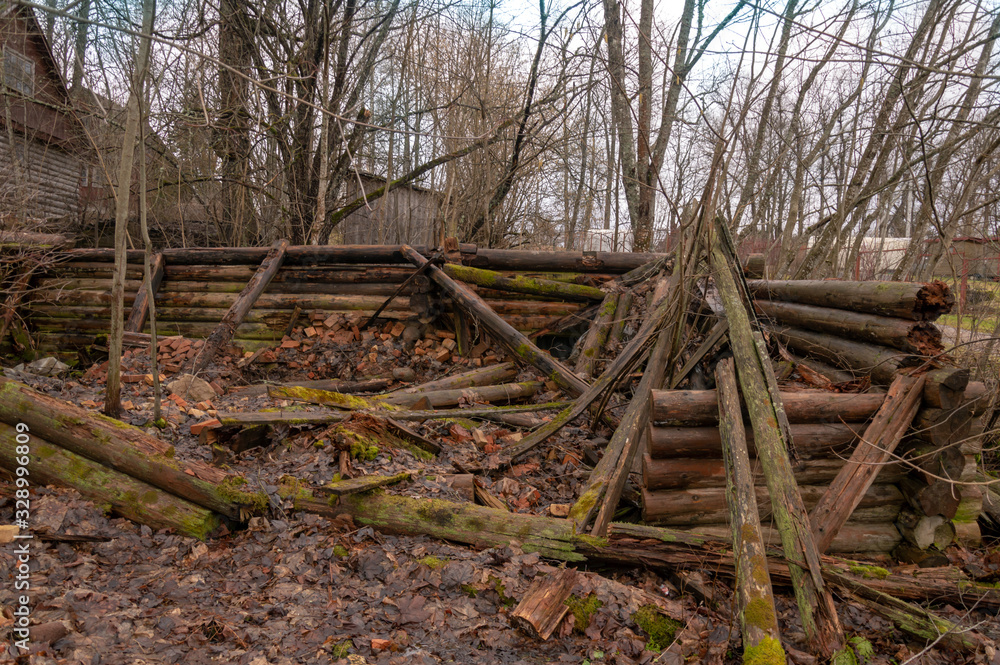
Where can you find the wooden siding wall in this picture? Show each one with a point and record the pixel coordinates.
(406, 215)
(38, 179)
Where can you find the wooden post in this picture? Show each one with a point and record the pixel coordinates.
(816, 608)
(498, 329)
(226, 329)
(140, 306)
(758, 620)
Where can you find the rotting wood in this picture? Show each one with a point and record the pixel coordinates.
(501, 331)
(870, 455)
(361, 484)
(597, 335)
(518, 284)
(505, 392)
(126, 496)
(923, 531)
(140, 306)
(621, 318)
(226, 329)
(816, 609)
(481, 376)
(907, 300)
(832, 374)
(811, 440)
(880, 362)
(700, 407)
(303, 417)
(855, 538)
(334, 385)
(122, 448)
(757, 616)
(920, 337)
(543, 606)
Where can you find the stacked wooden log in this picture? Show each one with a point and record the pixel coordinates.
(533, 291)
(684, 474)
(867, 328)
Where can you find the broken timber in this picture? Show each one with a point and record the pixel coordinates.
(543, 606)
(505, 392)
(140, 306)
(597, 335)
(224, 332)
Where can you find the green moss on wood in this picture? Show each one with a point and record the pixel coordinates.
(432, 562)
(767, 652)
(583, 610)
(869, 572)
(759, 613)
(660, 628)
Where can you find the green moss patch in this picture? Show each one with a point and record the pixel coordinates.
(432, 562)
(583, 610)
(869, 572)
(658, 627)
(767, 652)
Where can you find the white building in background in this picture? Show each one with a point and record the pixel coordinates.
(603, 240)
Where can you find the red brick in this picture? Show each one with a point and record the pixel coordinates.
(196, 428)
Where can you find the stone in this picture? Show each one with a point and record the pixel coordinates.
(405, 374)
(191, 388)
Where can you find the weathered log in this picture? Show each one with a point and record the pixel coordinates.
(621, 318)
(532, 286)
(481, 376)
(945, 388)
(832, 373)
(607, 481)
(133, 499)
(880, 362)
(543, 606)
(756, 377)
(931, 496)
(905, 300)
(500, 330)
(924, 531)
(811, 440)
(942, 427)
(140, 306)
(597, 335)
(699, 407)
(628, 544)
(362, 484)
(979, 397)
(683, 473)
(226, 329)
(920, 337)
(854, 538)
(707, 505)
(123, 448)
(253, 418)
(753, 584)
(505, 392)
(869, 457)
(334, 385)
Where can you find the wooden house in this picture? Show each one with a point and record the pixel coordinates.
(408, 214)
(40, 149)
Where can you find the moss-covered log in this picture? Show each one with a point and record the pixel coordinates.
(505, 392)
(518, 284)
(906, 300)
(124, 448)
(597, 335)
(757, 616)
(140, 502)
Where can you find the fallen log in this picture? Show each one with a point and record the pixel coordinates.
(505, 392)
(905, 300)
(920, 337)
(625, 544)
(811, 440)
(334, 385)
(597, 335)
(132, 499)
(854, 538)
(684, 473)
(880, 362)
(707, 505)
(226, 329)
(518, 284)
(758, 619)
(124, 448)
(767, 415)
(543, 606)
(868, 459)
(362, 484)
(700, 407)
(500, 330)
(481, 376)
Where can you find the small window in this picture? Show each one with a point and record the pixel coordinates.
(18, 72)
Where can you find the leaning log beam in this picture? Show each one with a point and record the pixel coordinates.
(905, 300)
(501, 331)
(920, 337)
(140, 306)
(597, 335)
(224, 332)
(132, 499)
(869, 457)
(505, 392)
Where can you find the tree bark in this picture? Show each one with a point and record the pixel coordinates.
(596, 336)
(543, 606)
(877, 445)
